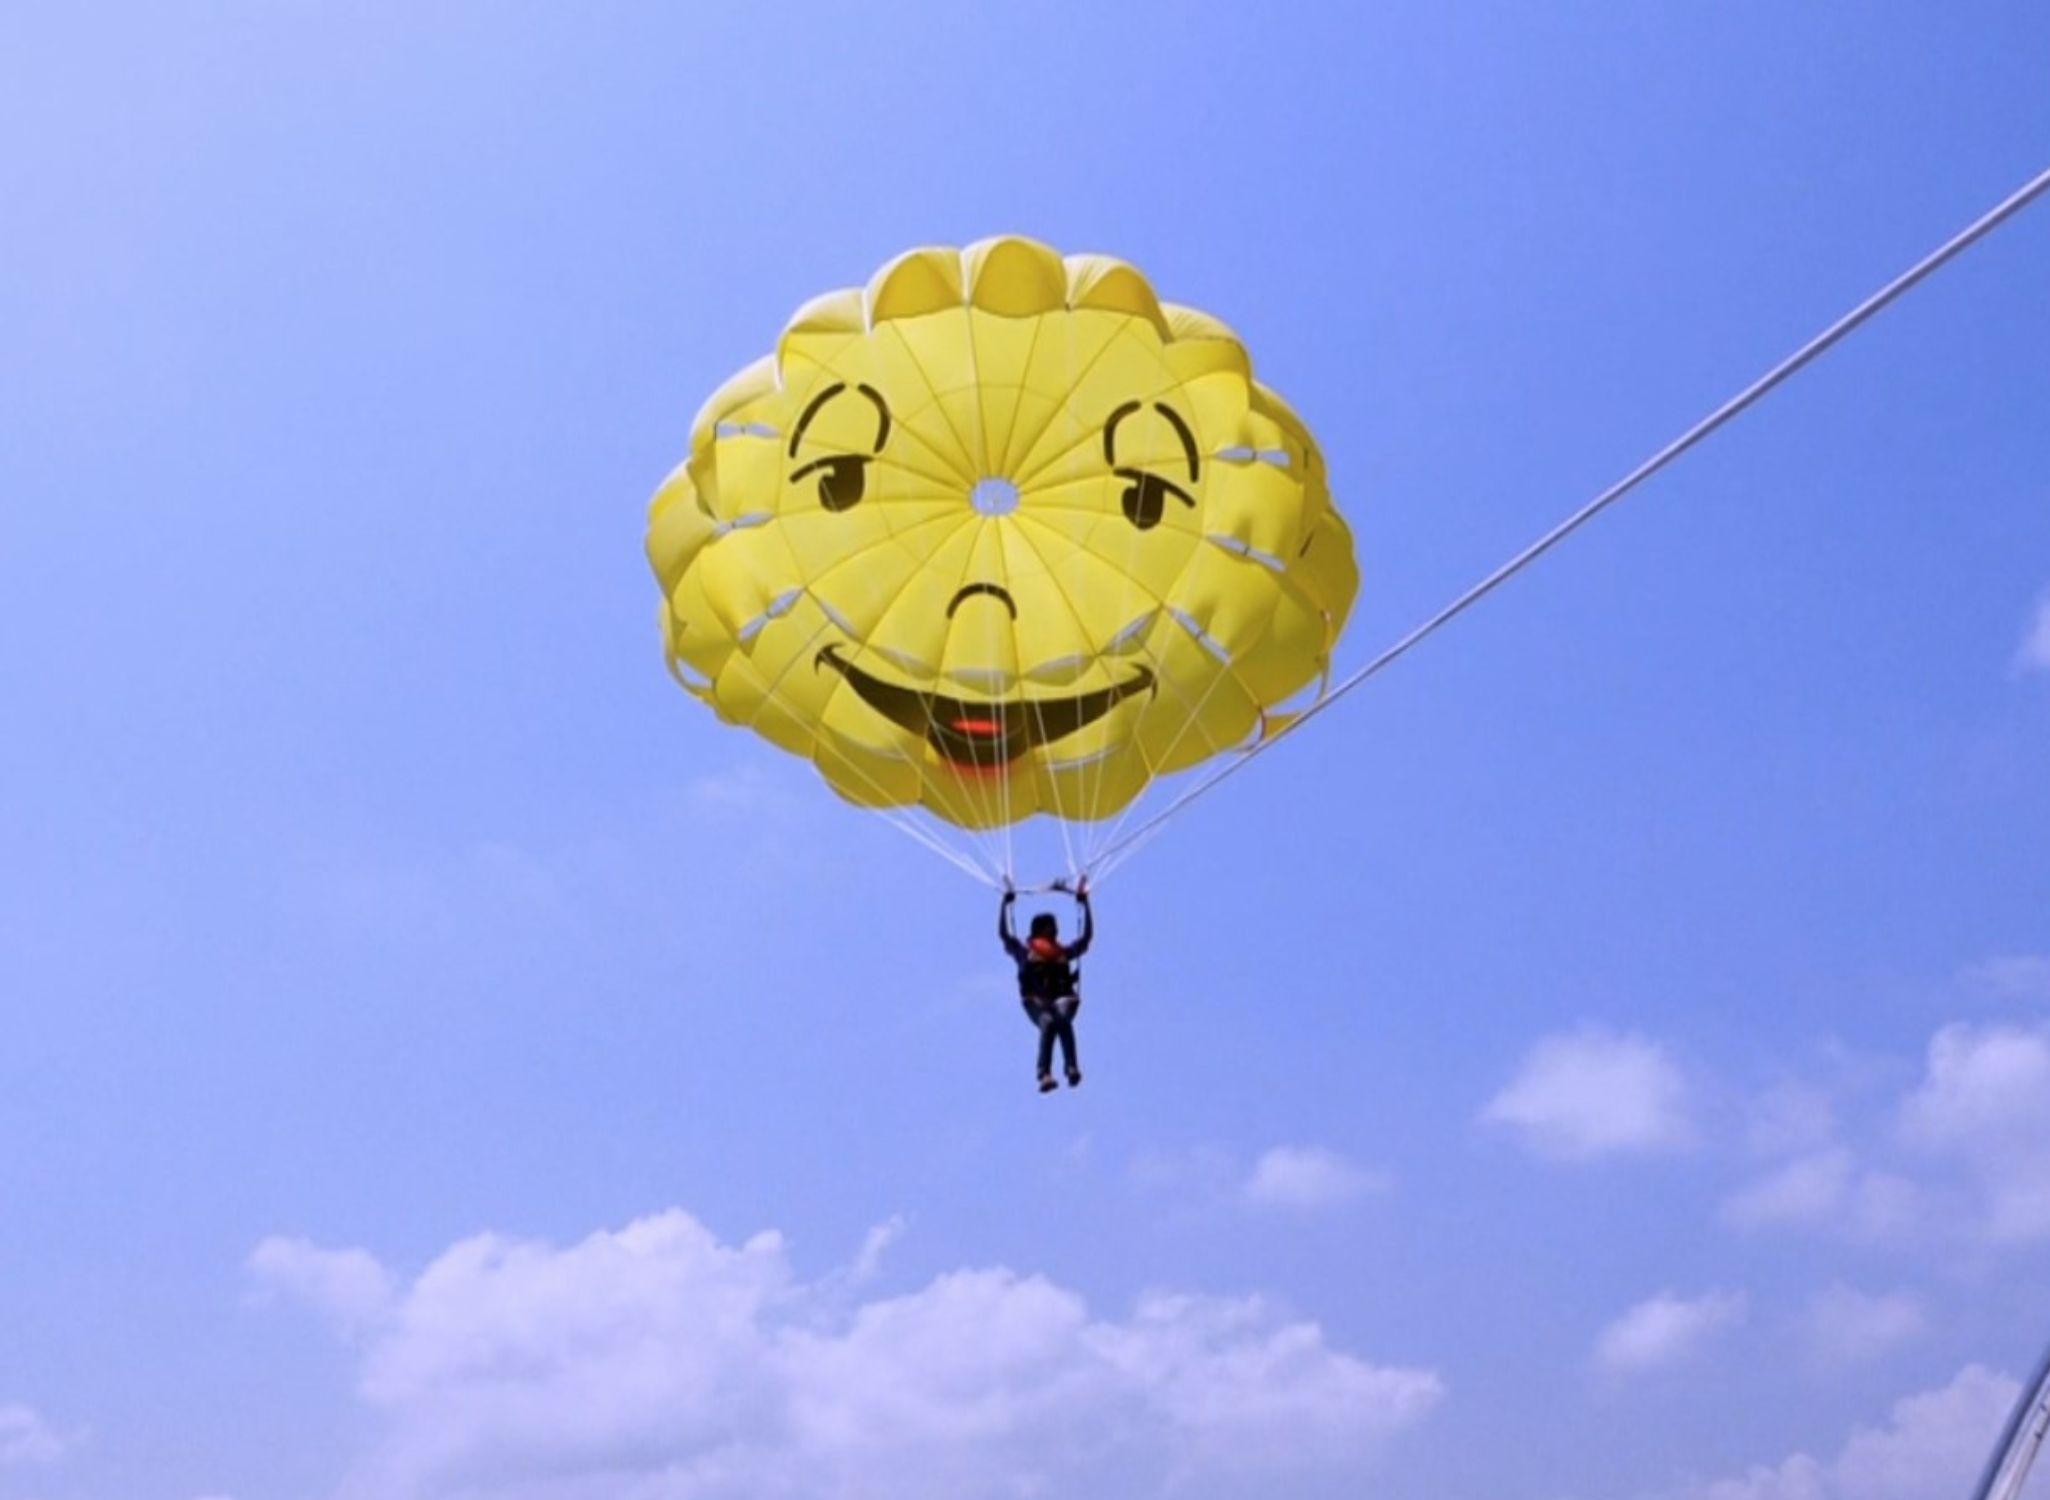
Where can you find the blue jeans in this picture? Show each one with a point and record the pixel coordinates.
(1054, 1018)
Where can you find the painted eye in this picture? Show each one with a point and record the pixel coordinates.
(842, 479)
(1145, 497)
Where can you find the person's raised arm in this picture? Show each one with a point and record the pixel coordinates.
(1005, 934)
(1081, 944)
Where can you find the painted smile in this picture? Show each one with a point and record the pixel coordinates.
(982, 734)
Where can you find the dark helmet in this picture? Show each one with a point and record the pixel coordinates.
(1044, 926)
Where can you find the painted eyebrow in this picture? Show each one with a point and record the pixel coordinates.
(837, 388)
(1110, 430)
(1181, 430)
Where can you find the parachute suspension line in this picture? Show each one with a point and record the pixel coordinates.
(1118, 851)
(1124, 849)
(1107, 842)
(1061, 819)
(907, 825)
(1061, 816)
(899, 819)
(903, 819)
(1087, 864)
(1992, 219)
(1162, 678)
(890, 724)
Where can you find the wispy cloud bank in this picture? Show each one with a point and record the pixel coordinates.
(744, 789)
(1985, 1101)
(27, 1438)
(1593, 1094)
(1807, 1190)
(1847, 1326)
(347, 1287)
(1665, 1329)
(1960, 1156)
(2016, 976)
(657, 1361)
(1826, 1188)
(2033, 655)
(1303, 1179)
(1930, 1448)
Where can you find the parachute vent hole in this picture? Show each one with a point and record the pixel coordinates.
(993, 497)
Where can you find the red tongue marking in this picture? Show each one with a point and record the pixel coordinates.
(989, 729)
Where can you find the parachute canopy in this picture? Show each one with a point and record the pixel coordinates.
(1000, 534)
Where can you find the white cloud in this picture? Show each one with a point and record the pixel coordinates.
(1306, 1178)
(743, 788)
(1282, 1179)
(1931, 1448)
(1977, 1125)
(1807, 1190)
(1985, 1099)
(1205, 1174)
(1797, 1478)
(1593, 1094)
(2018, 976)
(1665, 1329)
(2034, 653)
(874, 1245)
(26, 1437)
(657, 1363)
(1825, 1189)
(1981, 1081)
(1847, 1326)
(348, 1287)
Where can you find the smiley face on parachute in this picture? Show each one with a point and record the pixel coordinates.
(1000, 533)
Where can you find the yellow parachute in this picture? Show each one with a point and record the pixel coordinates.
(1000, 534)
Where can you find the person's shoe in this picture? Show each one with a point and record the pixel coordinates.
(1074, 1078)
(1046, 1083)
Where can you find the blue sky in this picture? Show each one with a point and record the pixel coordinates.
(1607, 1059)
